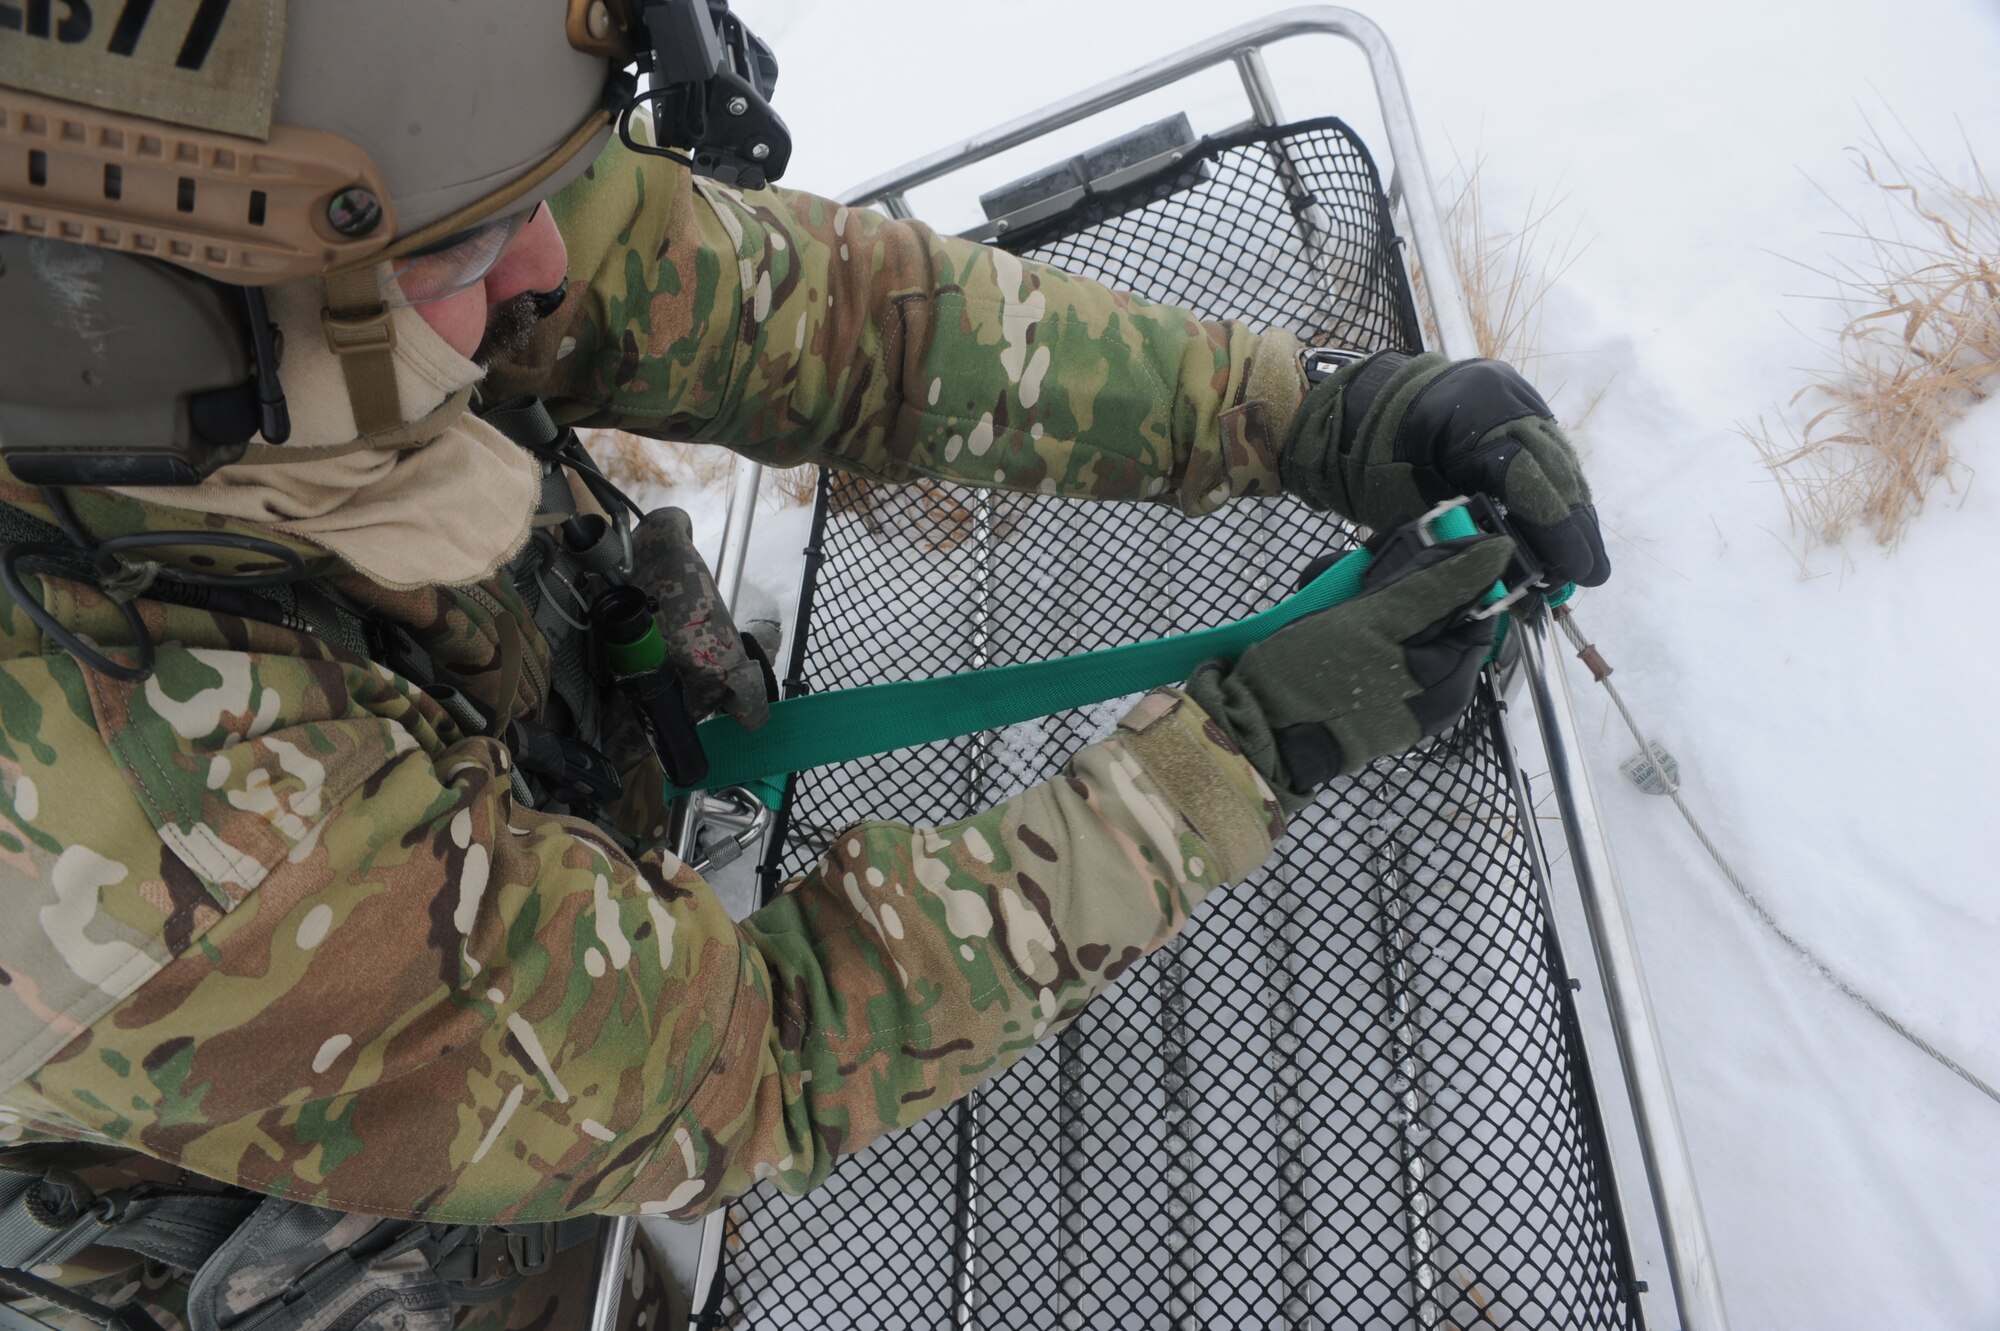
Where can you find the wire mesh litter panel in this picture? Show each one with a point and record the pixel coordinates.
(1351, 1094)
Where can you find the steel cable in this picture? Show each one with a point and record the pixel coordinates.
(1756, 904)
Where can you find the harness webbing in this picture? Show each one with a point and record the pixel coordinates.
(844, 724)
(177, 1228)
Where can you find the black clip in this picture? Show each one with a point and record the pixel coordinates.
(531, 1248)
(573, 771)
(711, 83)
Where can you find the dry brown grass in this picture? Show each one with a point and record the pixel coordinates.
(1918, 346)
(633, 461)
(796, 485)
(1507, 274)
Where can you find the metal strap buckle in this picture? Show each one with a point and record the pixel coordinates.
(1523, 576)
(1514, 596)
(1425, 536)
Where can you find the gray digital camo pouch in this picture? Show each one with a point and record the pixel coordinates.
(292, 1267)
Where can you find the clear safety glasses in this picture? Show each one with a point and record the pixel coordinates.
(454, 263)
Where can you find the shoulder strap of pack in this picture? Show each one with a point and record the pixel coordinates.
(252, 1253)
(49, 1216)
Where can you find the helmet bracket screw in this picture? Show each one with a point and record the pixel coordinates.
(355, 211)
(760, 150)
(738, 105)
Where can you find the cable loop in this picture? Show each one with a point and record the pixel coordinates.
(123, 581)
(85, 653)
(1567, 619)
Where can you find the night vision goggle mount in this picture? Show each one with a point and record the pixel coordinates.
(708, 80)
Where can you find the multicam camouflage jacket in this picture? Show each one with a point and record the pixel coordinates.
(273, 917)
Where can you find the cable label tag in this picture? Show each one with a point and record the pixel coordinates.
(206, 64)
(1656, 773)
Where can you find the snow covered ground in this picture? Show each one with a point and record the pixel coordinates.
(1834, 719)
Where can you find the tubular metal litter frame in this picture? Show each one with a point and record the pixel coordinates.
(1354, 1093)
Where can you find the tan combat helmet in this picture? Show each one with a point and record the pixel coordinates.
(384, 147)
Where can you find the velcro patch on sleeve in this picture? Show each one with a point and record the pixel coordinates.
(1210, 783)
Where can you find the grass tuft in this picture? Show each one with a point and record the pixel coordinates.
(636, 463)
(1917, 346)
(1507, 275)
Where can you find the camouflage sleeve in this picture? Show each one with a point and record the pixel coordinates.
(796, 330)
(430, 1000)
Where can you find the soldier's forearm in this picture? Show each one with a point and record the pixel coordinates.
(912, 963)
(568, 1031)
(796, 330)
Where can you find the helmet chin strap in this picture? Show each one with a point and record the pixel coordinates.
(360, 332)
(357, 324)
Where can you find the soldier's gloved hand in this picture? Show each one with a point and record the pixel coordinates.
(1327, 694)
(717, 673)
(1383, 440)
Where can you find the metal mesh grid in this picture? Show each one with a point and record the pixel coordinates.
(1351, 1094)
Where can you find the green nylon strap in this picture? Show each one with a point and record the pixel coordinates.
(844, 724)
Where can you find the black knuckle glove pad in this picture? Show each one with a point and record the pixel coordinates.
(1382, 441)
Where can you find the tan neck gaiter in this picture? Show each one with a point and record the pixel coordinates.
(443, 502)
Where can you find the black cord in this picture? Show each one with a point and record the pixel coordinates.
(606, 490)
(66, 518)
(651, 150)
(293, 563)
(104, 559)
(104, 554)
(10, 578)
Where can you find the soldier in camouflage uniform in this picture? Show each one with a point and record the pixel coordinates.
(279, 918)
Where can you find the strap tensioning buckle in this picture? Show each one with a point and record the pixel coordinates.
(1524, 575)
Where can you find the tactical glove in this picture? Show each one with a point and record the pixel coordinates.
(1327, 694)
(717, 671)
(1383, 440)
